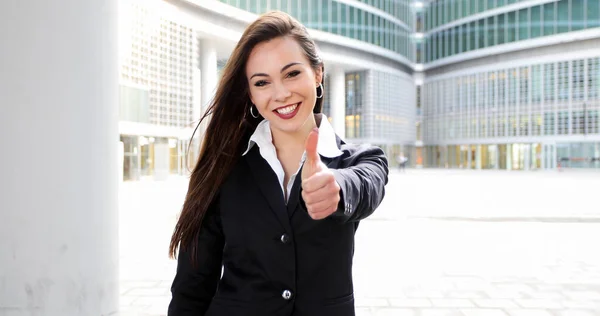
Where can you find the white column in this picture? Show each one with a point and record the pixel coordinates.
(478, 157)
(208, 72)
(58, 161)
(509, 150)
(161, 161)
(338, 101)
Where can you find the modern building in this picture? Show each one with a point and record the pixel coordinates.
(158, 88)
(510, 84)
(174, 50)
(479, 84)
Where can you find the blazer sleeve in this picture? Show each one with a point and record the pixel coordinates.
(195, 285)
(362, 176)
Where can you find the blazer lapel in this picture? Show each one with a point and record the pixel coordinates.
(267, 181)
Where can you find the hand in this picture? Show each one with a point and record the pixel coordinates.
(320, 191)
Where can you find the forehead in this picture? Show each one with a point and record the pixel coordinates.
(274, 54)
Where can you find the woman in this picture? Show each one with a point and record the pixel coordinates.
(268, 223)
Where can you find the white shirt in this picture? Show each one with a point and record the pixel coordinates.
(327, 147)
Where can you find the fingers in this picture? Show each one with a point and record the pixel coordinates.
(318, 181)
(321, 193)
(322, 211)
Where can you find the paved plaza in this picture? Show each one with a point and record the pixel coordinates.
(444, 242)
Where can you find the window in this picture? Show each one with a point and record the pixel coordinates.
(549, 18)
(563, 16)
(578, 80)
(491, 32)
(511, 27)
(523, 24)
(536, 21)
(464, 35)
(536, 83)
(593, 79)
(593, 13)
(563, 80)
(481, 34)
(501, 29)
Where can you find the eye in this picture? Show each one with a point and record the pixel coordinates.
(260, 83)
(293, 73)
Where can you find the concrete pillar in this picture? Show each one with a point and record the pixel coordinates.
(509, 149)
(58, 194)
(497, 157)
(478, 157)
(161, 161)
(338, 101)
(208, 72)
(527, 157)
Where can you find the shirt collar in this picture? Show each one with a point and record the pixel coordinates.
(327, 146)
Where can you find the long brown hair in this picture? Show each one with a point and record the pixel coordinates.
(231, 124)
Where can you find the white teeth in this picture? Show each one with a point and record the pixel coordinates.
(287, 110)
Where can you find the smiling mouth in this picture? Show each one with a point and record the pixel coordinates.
(288, 109)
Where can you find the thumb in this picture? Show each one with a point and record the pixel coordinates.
(311, 164)
(312, 157)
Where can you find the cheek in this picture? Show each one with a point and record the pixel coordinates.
(260, 98)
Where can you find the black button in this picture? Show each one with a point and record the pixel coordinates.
(285, 238)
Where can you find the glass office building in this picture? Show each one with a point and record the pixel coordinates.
(478, 84)
(379, 103)
(511, 84)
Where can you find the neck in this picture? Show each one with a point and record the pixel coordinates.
(285, 142)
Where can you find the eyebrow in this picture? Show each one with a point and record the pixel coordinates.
(282, 70)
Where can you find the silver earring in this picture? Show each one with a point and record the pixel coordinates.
(320, 86)
(252, 112)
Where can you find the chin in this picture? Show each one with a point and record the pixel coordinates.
(292, 126)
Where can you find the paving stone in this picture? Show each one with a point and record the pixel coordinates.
(539, 303)
(482, 312)
(420, 293)
(364, 311)
(495, 303)
(577, 312)
(157, 291)
(390, 311)
(368, 302)
(551, 295)
(529, 312)
(466, 294)
(581, 304)
(410, 302)
(440, 312)
(583, 295)
(451, 302)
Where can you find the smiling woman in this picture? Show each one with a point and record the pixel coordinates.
(274, 200)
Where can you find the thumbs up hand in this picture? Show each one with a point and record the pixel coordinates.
(320, 191)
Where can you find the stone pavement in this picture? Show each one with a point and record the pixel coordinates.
(444, 242)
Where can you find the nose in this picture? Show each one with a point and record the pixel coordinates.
(282, 93)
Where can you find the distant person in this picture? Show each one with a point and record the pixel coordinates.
(268, 223)
(402, 160)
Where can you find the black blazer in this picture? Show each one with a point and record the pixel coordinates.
(258, 256)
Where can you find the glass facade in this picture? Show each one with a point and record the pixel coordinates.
(387, 23)
(450, 31)
(502, 107)
(157, 55)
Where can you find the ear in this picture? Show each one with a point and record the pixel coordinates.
(318, 76)
(250, 97)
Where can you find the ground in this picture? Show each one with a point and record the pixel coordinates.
(443, 242)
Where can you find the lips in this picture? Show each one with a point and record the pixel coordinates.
(287, 112)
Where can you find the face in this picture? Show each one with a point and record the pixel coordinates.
(283, 85)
